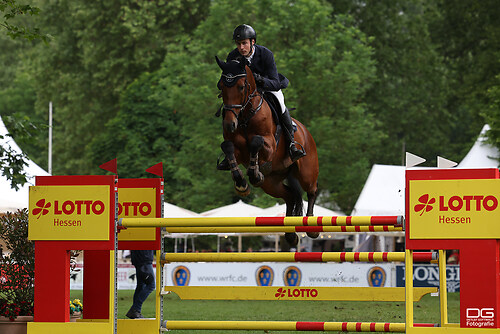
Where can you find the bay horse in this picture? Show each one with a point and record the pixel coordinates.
(251, 139)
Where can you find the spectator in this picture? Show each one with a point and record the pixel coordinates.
(143, 263)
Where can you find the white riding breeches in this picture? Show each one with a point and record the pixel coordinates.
(281, 98)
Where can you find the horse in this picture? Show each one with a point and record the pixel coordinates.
(251, 139)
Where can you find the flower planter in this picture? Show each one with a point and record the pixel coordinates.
(18, 326)
(73, 317)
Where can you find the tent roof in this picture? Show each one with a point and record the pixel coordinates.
(481, 154)
(279, 210)
(238, 209)
(10, 199)
(174, 211)
(383, 193)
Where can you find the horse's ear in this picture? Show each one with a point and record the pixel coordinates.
(220, 63)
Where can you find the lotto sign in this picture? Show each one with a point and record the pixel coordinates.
(454, 209)
(137, 203)
(69, 213)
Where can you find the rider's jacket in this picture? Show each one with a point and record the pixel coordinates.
(262, 62)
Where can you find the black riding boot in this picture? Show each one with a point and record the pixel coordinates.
(286, 121)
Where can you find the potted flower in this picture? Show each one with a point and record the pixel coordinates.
(17, 269)
(75, 309)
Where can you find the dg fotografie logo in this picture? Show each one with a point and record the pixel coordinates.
(468, 203)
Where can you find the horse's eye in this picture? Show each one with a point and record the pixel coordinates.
(241, 88)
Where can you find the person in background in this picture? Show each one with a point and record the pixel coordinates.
(145, 277)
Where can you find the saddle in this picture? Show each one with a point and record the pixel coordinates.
(274, 105)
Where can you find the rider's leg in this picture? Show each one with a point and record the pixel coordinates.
(286, 120)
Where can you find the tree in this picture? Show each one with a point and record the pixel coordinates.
(12, 11)
(468, 33)
(408, 97)
(98, 50)
(12, 163)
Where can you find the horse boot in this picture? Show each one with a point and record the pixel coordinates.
(286, 120)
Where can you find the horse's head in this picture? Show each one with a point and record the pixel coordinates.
(237, 84)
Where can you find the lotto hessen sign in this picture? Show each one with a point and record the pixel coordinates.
(135, 203)
(69, 213)
(454, 209)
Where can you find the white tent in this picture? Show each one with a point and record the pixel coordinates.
(174, 211)
(238, 209)
(279, 211)
(10, 199)
(481, 154)
(383, 193)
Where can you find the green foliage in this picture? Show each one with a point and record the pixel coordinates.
(12, 10)
(17, 267)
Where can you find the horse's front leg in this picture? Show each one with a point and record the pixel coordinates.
(254, 175)
(240, 184)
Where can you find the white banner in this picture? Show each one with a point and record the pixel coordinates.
(261, 274)
(280, 274)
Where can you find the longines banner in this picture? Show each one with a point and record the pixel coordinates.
(454, 209)
(69, 213)
(427, 275)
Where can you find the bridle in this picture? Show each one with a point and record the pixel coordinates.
(246, 101)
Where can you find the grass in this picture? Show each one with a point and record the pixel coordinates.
(425, 311)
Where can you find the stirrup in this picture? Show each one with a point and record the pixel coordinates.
(295, 153)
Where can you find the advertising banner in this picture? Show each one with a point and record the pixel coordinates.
(454, 209)
(280, 274)
(69, 213)
(427, 275)
(137, 203)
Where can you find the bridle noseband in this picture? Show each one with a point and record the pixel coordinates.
(247, 100)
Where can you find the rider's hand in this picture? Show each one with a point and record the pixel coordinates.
(259, 80)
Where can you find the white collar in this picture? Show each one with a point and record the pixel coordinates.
(249, 58)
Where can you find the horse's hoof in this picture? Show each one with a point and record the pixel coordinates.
(313, 235)
(256, 180)
(292, 239)
(243, 191)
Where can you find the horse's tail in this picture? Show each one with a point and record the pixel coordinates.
(296, 190)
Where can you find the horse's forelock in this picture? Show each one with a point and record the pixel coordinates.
(232, 72)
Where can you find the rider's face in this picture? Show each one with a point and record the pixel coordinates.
(244, 47)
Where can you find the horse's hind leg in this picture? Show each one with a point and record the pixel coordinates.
(240, 184)
(273, 186)
(311, 199)
(254, 175)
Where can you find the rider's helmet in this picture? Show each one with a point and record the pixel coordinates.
(244, 31)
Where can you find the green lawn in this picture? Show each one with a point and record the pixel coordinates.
(427, 310)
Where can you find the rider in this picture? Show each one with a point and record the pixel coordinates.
(261, 62)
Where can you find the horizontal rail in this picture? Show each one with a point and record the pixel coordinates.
(285, 326)
(386, 294)
(297, 257)
(281, 229)
(263, 221)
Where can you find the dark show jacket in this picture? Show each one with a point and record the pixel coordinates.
(263, 63)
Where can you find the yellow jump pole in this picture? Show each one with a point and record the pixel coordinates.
(286, 326)
(281, 229)
(296, 257)
(263, 221)
(443, 288)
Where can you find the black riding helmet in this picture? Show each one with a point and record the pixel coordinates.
(244, 31)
